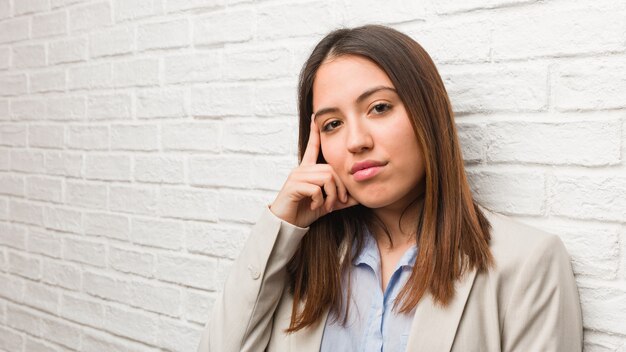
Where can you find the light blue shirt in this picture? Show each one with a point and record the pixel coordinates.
(372, 325)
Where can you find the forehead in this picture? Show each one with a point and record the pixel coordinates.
(342, 79)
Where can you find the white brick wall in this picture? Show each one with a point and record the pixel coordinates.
(140, 139)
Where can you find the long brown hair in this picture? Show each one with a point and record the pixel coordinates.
(452, 233)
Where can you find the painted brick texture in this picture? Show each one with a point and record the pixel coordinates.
(139, 140)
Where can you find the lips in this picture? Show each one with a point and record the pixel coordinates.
(366, 169)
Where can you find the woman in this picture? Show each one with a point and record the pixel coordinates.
(374, 241)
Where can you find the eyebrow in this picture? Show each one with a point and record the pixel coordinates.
(358, 100)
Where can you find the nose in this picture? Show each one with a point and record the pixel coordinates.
(359, 137)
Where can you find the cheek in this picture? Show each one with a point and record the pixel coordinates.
(331, 154)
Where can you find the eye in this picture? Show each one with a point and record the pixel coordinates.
(331, 125)
(381, 108)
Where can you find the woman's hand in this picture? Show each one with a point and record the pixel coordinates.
(300, 202)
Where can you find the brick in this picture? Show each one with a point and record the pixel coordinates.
(90, 77)
(12, 184)
(220, 171)
(86, 252)
(446, 40)
(44, 188)
(220, 101)
(30, 6)
(256, 63)
(574, 81)
(60, 332)
(241, 207)
(10, 340)
(90, 16)
(106, 287)
(89, 195)
(589, 196)
(227, 26)
(67, 108)
(132, 262)
(473, 140)
(109, 106)
(88, 137)
(12, 235)
(197, 305)
(135, 199)
(12, 84)
(590, 143)
(63, 164)
(114, 41)
(372, 11)
(4, 159)
(42, 297)
(134, 137)
(259, 137)
(4, 110)
(29, 56)
(603, 307)
(143, 72)
(66, 220)
(5, 58)
(162, 102)
(81, 310)
(13, 135)
(24, 265)
(12, 288)
(511, 192)
(156, 298)
(201, 66)
(37, 345)
(25, 212)
(27, 161)
(596, 30)
(62, 274)
(107, 167)
(44, 243)
(28, 109)
(67, 50)
(215, 240)
(23, 320)
(157, 233)
(96, 342)
(204, 136)
(131, 323)
(49, 24)
(194, 272)
(47, 81)
(271, 99)
(451, 6)
(46, 136)
(163, 35)
(107, 225)
(181, 5)
(294, 20)
(14, 30)
(159, 169)
(177, 336)
(271, 174)
(125, 10)
(5, 9)
(188, 203)
(4, 208)
(511, 88)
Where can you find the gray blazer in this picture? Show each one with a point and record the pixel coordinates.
(527, 303)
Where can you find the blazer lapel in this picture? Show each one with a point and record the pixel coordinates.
(310, 339)
(434, 327)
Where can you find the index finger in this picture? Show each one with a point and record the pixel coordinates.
(312, 146)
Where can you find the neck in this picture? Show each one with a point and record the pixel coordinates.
(401, 228)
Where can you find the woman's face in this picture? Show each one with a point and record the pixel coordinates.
(365, 132)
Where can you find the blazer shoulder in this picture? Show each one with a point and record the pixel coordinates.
(514, 242)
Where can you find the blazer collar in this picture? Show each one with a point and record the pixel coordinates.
(433, 328)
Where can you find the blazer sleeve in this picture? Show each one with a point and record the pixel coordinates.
(544, 312)
(241, 319)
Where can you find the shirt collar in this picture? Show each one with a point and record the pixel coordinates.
(370, 255)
